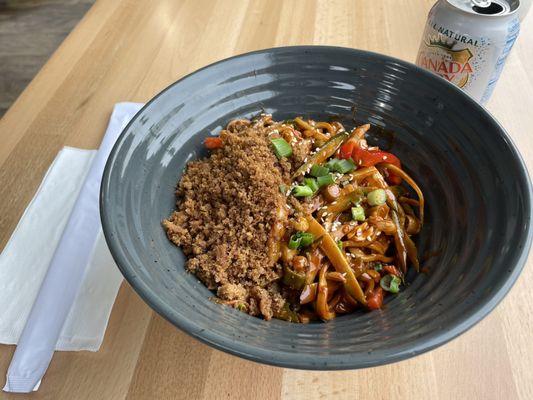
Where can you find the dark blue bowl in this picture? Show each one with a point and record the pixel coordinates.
(478, 193)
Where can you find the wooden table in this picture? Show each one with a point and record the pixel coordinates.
(130, 50)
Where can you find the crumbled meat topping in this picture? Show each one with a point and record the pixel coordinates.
(227, 205)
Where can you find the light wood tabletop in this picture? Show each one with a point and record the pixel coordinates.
(128, 50)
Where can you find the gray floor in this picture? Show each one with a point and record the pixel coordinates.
(30, 31)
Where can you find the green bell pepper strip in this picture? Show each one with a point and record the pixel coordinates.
(323, 153)
(293, 279)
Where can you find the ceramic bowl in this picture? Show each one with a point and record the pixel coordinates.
(478, 194)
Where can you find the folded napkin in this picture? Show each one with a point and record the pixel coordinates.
(58, 281)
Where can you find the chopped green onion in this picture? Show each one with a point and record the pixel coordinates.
(344, 166)
(341, 166)
(281, 147)
(241, 307)
(358, 213)
(339, 244)
(302, 191)
(307, 239)
(390, 283)
(378, 266)
(377, 197)
(311, 183)
(283, 188)
(325, 180)
(318, 170)
(300, 239)
(294, 242)
(332, 164)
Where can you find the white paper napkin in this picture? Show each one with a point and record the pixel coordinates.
(58, 281)
(26, 257)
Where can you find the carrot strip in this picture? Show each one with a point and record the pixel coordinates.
(212, 143)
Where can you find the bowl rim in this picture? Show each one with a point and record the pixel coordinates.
(284, 359)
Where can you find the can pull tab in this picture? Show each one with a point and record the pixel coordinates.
(481, 3)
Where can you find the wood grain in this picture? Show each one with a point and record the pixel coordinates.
(129, 50)
(30, 31)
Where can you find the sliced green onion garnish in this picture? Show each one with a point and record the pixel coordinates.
(283, 188)
(358, 213)
(339, 244)
(294, 242)
(378, 266)
(325, 180)
(281, 147)
(376, 197)
(390, 283)
(301, 239)
(344, 166)
(307, 239)
(332, 164)
(302, 191)
(318, 170)
(311, 183)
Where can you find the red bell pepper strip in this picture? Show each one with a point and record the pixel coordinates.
(374, 300)
(346, 150)
(369, 158)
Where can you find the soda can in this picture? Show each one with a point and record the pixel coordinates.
(467, 44)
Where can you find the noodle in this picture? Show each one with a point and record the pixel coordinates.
(342, 240)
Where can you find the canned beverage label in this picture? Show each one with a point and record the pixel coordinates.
(512, 33)
(466, 50)
(450, 54)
